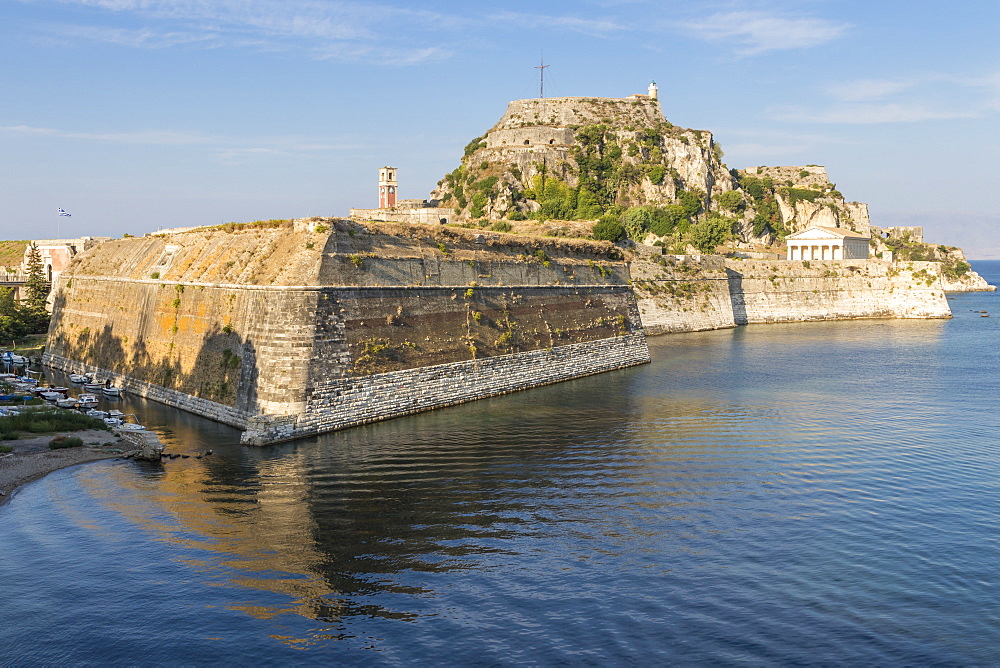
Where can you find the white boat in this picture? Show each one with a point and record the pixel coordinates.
(131, 426)
(115, 413)
(112, 422)
(112, 391)
(94, 413)
(66, 402)
(86, 399)
(51, 396)
(8, 357)
(91, 386)
(78, 379)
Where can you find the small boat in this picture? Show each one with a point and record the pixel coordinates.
(66, 402)
(51, 396)
(91, 386)
(113, 422)
(86, 399)
(78, 379)
(94, 413)
(112, 391)
(7, 357)
(131, 426)
(61, 390)
(115, 413)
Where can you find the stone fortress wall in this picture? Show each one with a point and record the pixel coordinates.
(292, 331)
(692, 293)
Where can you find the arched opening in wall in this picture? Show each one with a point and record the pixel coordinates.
(48, 272)
(552, 141)
(527, 143)
(443, 221)
(885, 235)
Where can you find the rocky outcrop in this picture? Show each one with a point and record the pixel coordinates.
(576, 157)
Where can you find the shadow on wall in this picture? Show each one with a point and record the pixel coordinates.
(736, 296)
(224, 369)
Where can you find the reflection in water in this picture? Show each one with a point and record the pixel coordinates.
(768, 494)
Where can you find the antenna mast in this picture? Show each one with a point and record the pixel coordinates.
(541, 77)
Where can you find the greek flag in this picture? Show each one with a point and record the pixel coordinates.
(62, 212)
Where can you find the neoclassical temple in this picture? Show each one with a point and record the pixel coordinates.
(827, 243)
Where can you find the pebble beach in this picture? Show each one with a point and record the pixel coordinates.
(32, 458)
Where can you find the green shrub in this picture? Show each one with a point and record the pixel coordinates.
(155, 275)
(731, 200)
(503, 225)
(46, 419)
(4, 449)
(608, 229)
(60, 442)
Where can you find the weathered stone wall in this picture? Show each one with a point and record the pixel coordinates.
(764, 291)
(682, 293)
(352, 401)
(234, 325)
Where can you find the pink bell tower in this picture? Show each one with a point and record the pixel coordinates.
(387, 187)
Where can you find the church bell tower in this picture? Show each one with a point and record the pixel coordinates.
(387, 187)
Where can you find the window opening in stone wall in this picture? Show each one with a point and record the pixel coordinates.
(526, 142)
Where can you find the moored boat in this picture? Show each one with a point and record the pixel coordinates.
(78, 379)
(66, 402)
(111, 391)
(87, 399)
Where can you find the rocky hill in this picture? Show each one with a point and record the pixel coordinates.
(619, 161)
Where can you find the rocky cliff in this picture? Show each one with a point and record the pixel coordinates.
(578, 158)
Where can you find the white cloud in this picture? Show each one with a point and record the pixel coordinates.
(862, 114)
(379, 55)
(328, 30)
(148, 137)
(745, 146)
(757, 32)
(928, 97)
(573, 23)
(867, 89)
(227, 150)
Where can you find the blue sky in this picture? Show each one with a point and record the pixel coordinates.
(136, 115)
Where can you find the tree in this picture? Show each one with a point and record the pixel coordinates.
(608, 228)
(36, 286)
(33, 312)
(714, 231)
(731, 200)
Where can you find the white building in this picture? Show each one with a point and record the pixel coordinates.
(827, 243)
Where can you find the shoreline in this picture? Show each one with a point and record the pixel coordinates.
(32, 459)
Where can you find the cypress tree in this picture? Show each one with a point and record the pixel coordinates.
(36, 288)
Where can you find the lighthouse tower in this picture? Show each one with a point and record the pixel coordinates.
(653, 91)
(387, 187)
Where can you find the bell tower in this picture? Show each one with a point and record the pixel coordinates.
(387, 187)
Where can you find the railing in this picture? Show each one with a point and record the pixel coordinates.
(15, 278)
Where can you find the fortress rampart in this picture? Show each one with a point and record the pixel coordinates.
(684, 294)
(292, 331)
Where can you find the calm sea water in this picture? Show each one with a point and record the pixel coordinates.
(782, 494)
